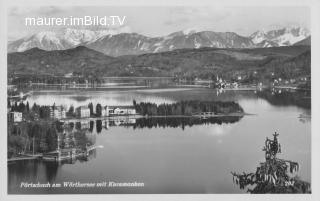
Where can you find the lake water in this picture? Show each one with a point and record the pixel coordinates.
(195, 158)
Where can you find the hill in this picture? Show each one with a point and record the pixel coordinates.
(202, 62)
(80, 60)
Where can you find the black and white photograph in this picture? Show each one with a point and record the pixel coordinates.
(176, 99)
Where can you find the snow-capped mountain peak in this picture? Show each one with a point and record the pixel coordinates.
(258, 36)
(190, 31)
(280, 37)
(46, 35)
(62, 39)
(76, 36)
(40, 40)
(122, 41)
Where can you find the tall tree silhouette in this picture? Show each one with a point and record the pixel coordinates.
(274, 175)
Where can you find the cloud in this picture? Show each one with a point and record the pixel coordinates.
(196, 15)
(18, 11)
(17, 34)
(173, 22)
(40, 11)
(51, 10)
(160, 21)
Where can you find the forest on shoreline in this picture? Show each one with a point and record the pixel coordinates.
(187, 108)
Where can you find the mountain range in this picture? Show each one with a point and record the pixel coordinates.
(118, 43)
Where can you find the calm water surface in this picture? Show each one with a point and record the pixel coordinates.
(192, 159)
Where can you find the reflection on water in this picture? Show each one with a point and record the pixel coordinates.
(181, 122)
(125, 97)
(180, 155)
(76, 98)
(106, 83)
(40, 171)
(137, 123)
(286, 98)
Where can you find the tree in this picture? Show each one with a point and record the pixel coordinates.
(98, 110)
(44, 112)
(188, 108)
(15, 108)
(27, 106)
(274, 175)
(70, 112)
(21, 107)
(90, 105)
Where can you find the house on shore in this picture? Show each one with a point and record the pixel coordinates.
(15, 116)
(121, 110)
(83, 111)
(105, 111)
(57, 112)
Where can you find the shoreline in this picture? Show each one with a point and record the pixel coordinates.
(138, 116)
(199, 115)
(195, 116)
(145, 88)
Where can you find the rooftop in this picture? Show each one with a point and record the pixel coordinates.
(122, 107)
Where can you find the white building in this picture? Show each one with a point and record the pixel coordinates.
(105, 111)
(121, 110)
(15, 116)
(83, 111)
(57, 112)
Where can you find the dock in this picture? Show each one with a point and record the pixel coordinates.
(70, 153)
(58, 155)
(25, 157)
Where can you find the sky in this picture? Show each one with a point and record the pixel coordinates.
(161, 21)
